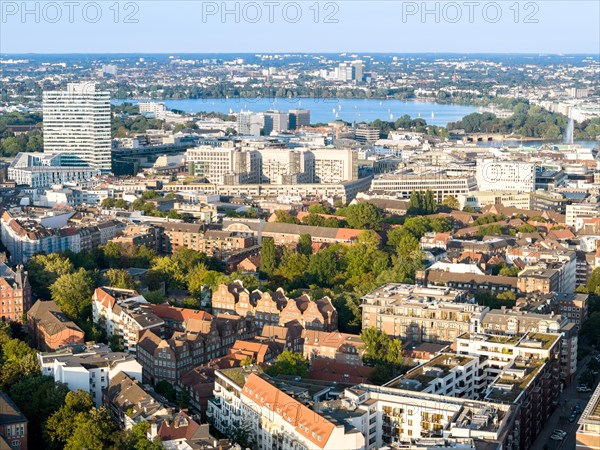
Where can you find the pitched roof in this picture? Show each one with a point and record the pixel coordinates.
(328, 370)
(307, 423)
(180, 427)
(126, 393)
(51, 318)
(166, 311)
(9, 412)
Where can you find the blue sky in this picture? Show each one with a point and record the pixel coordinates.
(159, 26)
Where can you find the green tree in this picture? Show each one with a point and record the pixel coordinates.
(293, 265)
(363, 216)
(593, 282)
(376, 344)
(108, 203)
(72, 292)
(93, 430)
(407, 246)
(526, 228)
(187, 259)
(318, 209)
(268, 256)
(196, 280)
(364, 254)
(289, 363)
(324, 266)
(591, 328)
(44, 270)
(440, 225)
(121, 204)
(285, 217)
(490, 229)
(62, 424)
(451, 203)
(507, 271)
(38, 397)
(119, 278)
(304, 244)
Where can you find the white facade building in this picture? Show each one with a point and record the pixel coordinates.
(90, 370)
(334, 165)
(40, 170)
(365, 417)
(578, 211)
(124, 313)
(223, 165)
(404, 183)
(249, 123)
(158, 110)
(496, 175)
(275, 419)
(78, 121)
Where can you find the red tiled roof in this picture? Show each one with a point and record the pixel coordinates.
(166, 311)
(307, 423)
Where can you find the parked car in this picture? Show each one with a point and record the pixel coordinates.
(557, 437)
(572, 417)
(583, 389)
(561, 432)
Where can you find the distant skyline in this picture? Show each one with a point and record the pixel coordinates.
(375, 27)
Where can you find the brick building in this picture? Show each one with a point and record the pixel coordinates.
(50, 328)
(15, 293)
(13, 425)
(274, 308)
(421, 314)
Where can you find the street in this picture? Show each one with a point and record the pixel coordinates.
(560, 418)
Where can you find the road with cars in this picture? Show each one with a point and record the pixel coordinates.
(559, 420)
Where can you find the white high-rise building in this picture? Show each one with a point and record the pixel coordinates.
(158, 110)
(77, 121)
(249, 123)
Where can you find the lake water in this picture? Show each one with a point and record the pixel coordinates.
(326, 110)
(534, 143)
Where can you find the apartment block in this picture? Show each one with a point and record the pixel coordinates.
(274, 418)
(439, 182)
(334, 346)
(509, 198)
(498, 175)
(540, 280)
(202, 341)
(25, 236)
(421, 314)
(130, 402)
(574, 307)
(224, 245)
(124, 313)
(577, 212)
(514, 323)
(288, 415)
